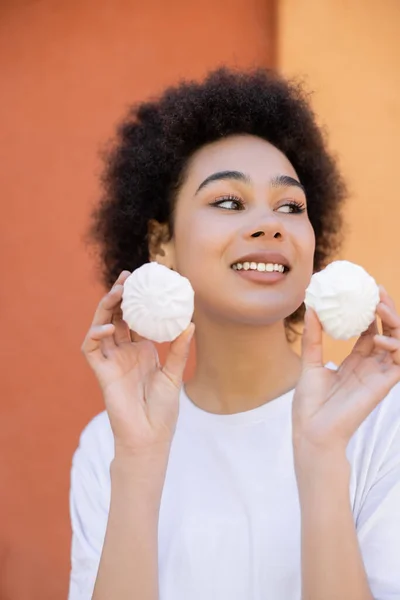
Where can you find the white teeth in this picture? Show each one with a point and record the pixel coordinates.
(253, 266)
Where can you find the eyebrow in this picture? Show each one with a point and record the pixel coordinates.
(286, 181)
(277, 181)
(224, 175)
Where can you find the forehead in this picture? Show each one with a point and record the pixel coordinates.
(246, 153)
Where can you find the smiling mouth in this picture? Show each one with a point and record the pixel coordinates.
(260, 267)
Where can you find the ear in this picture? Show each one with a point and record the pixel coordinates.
(160, 243)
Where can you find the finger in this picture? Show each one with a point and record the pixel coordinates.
(389, 302)
(135, 337)
(110, 301)
(311, 347)
(372, 329)
(390, 320)
(123, 276)
(108, 305)
(385, 298)
(389, 344)
(122, 331)
(121, 334)
(177, 356)
(365, 343)
(97, 335)
(99, 339)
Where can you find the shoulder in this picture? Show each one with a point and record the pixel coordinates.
(378, 437)
(385, 418)
(390, 406)
(374, 449)
(382, 426)
(89, 501)
(90, 482)
(96, 442)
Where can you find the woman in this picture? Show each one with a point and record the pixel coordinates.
(268, 475)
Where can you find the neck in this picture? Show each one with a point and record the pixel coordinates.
(241, 367)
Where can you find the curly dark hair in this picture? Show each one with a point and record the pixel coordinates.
(146, 162)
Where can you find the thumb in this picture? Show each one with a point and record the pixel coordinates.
(177, 356)
(311, 347)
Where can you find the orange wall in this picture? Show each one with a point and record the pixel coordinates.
(350, 55)
(69, 68)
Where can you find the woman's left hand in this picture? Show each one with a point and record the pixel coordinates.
(329, 406)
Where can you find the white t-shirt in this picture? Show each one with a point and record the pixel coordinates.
(229, 524)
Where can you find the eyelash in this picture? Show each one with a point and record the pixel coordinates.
(298, 206)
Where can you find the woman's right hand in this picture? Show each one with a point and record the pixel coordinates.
(141, 396)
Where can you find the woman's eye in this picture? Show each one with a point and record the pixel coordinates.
(229, 203)
(292, 207)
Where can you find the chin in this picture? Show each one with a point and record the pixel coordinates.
(255, 309)
(255, 316)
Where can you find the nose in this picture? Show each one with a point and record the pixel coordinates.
(266, 224)
(260, 233)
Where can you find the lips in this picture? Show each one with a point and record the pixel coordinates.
(265, 257)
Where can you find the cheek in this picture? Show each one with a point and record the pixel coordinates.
(311, 242)
(307, 249)
(306, 238)
(200, 239)
(302, 239)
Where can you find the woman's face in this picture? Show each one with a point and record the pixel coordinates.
(241, 203)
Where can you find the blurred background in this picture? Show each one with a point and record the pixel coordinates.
(69, 69)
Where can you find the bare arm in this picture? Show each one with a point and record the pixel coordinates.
(142, 402)
(128, 566)
(328, 408)
(331, 561)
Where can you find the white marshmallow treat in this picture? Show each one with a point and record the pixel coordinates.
(157, 303)
(345, 298)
